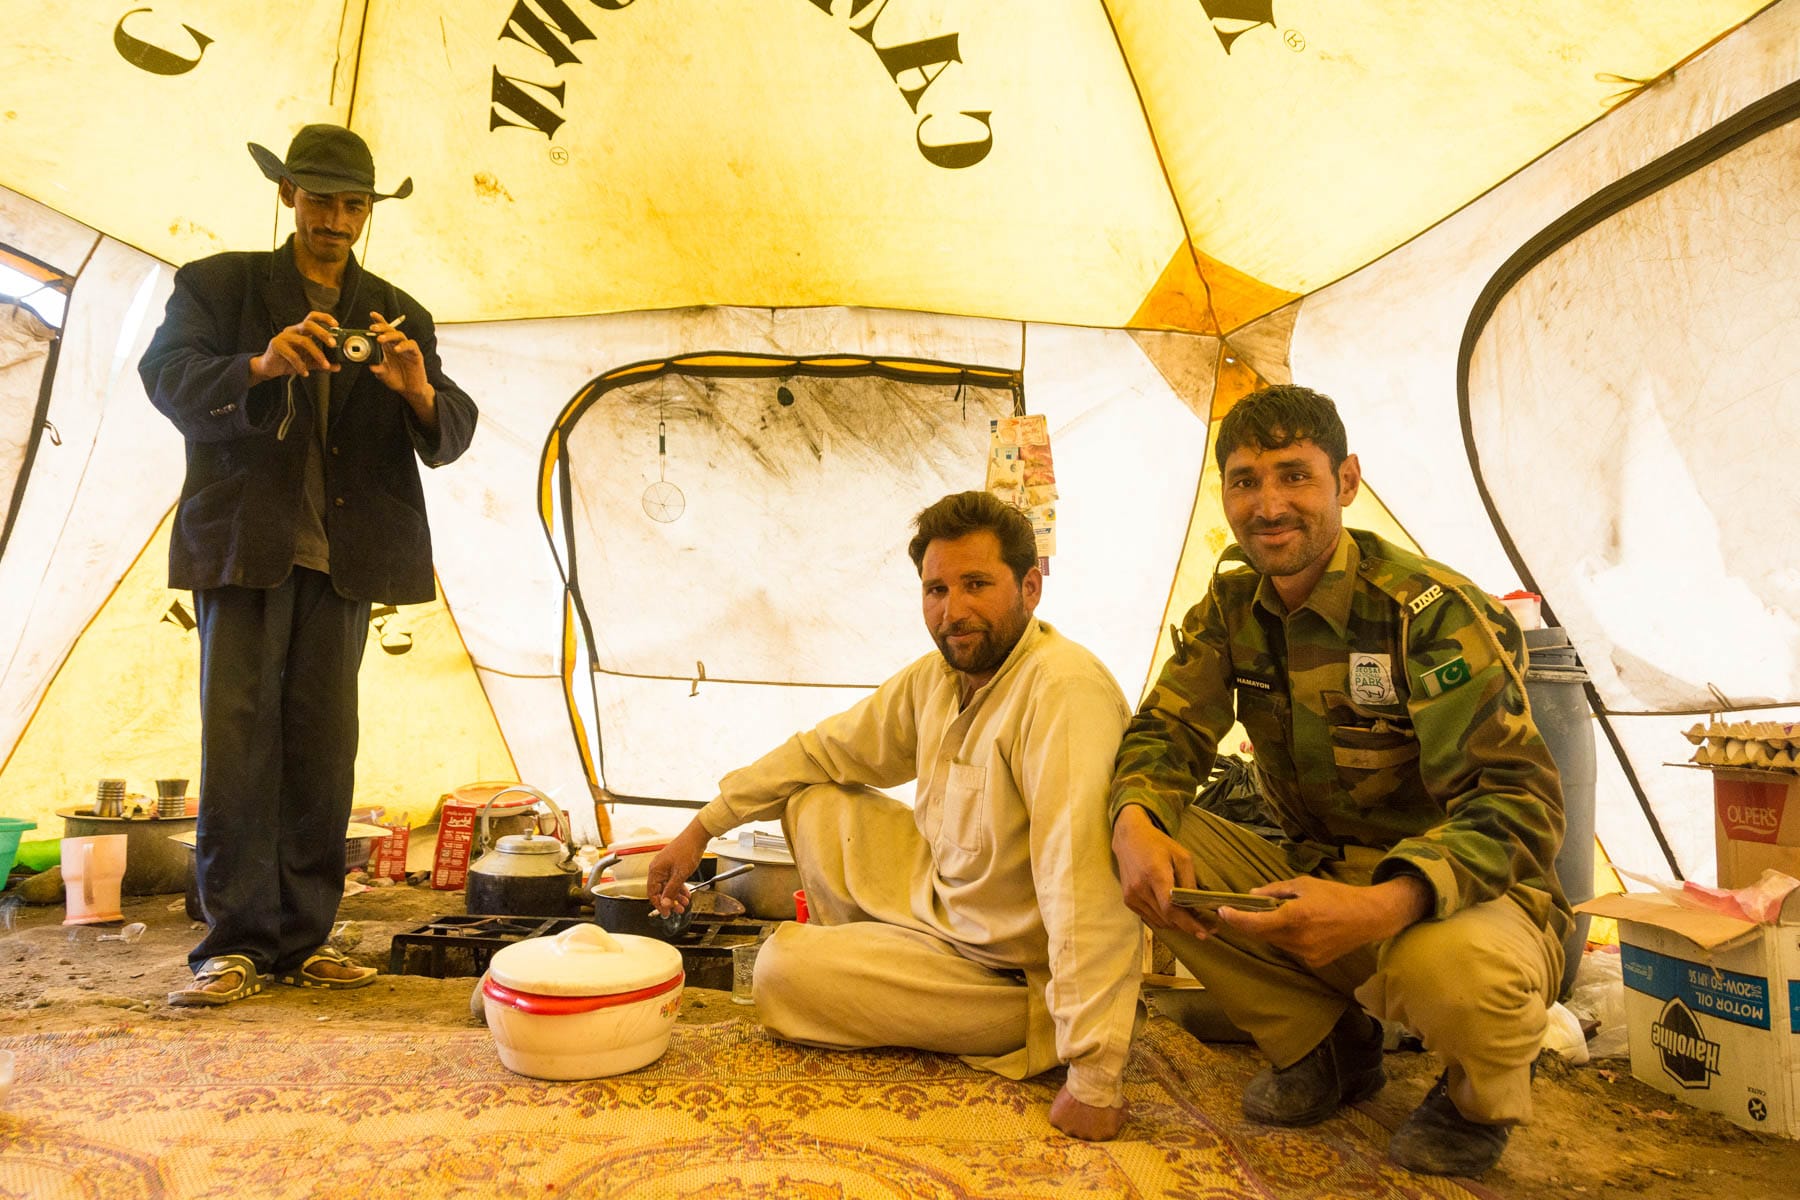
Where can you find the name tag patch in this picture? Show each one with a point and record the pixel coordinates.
(1454, 673)
(1372, 678)
(1251, 681)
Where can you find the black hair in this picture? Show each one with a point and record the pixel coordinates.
(962, 513)
(1280, 415)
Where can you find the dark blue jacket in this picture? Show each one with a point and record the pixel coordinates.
(241, 503)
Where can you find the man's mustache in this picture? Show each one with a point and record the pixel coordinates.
(1272, 526)
(962, 627)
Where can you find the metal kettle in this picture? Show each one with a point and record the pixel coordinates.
(523, 874)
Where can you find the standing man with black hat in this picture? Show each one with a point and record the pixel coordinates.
(302, 505)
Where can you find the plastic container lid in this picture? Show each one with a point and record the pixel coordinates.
(584, 960)
(640, 841)
(528, 843)
(733, 848)
(476, 795)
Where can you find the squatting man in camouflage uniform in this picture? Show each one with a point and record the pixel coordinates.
(1421, 809)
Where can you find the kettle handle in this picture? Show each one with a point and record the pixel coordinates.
(562, 822)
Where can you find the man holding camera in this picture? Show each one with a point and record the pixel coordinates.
(302, 505)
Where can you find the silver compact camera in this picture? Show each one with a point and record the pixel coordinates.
(354, 346)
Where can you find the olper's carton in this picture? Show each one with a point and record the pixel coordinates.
(1756, 824)
(1713, 1007)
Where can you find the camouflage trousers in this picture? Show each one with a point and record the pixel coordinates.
(1475, 986)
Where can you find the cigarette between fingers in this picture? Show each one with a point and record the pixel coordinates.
(397, 322)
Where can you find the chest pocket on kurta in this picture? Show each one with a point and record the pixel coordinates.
(1369, 759)
(961, 840)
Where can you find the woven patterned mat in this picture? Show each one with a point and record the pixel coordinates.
(204, 1111)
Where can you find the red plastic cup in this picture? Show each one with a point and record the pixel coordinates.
(800, 912)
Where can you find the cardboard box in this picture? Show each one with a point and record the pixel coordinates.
(458, 830)
(387, 857)
(1712, 1005)
(1756, 823)
(456, 834)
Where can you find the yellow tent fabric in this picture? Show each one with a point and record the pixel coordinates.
(125, 704)
(1028, 159)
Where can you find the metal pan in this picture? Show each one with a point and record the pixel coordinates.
(622, 906)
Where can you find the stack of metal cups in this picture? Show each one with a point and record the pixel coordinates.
(171, 797)
(109, 800)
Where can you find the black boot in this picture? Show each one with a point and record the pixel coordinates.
(1438, 1140)
(1343, 1068)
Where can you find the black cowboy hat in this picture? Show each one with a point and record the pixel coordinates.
(324, 160)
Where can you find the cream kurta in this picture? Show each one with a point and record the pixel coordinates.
(1010, 802)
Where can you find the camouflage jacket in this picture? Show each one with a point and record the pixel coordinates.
(1388, 711)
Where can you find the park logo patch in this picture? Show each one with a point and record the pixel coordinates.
(1372, 678)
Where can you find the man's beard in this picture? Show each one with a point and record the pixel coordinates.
(1290, 559)
(984, 656)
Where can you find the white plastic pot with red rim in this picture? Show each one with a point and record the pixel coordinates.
(583, 1004)
(635, 853)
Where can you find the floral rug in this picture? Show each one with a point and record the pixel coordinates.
(205, 1112)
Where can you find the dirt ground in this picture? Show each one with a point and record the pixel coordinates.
(1597, 1132)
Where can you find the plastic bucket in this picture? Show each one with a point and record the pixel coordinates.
(10, 829)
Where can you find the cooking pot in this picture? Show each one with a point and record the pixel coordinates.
(623, 906)
(583, 1004)
(525, 874)
(767, 893)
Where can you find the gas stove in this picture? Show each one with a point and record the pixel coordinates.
(451, 946)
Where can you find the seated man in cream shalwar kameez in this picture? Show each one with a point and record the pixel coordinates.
(986, 920)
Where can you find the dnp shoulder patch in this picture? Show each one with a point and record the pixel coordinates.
(1439, 680)
(1424, 599)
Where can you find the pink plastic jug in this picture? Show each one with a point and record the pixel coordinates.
(93, 868)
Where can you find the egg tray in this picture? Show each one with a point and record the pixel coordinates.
(454, 946)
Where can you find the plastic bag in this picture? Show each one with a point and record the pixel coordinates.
(1562, 1034)
(1599, 996)
(1760, 902)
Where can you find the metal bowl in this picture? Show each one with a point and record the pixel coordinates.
(766, 893)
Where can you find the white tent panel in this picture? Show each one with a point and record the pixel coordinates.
(758, 574)
(1622, 826)
(533, 717)
(1623, 471)
(1129, 451)
(24, 353)
(1109, 410)
(494, 560)
(44, 234)
(1681, 796)
(1385, 341)
(92, 502)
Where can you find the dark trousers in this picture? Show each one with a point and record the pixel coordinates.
(277, 764)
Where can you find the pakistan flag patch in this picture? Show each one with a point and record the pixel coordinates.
(1454, 673)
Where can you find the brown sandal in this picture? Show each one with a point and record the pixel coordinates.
(309, 975)
(205, 994)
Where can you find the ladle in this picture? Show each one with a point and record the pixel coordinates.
(702, 886)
